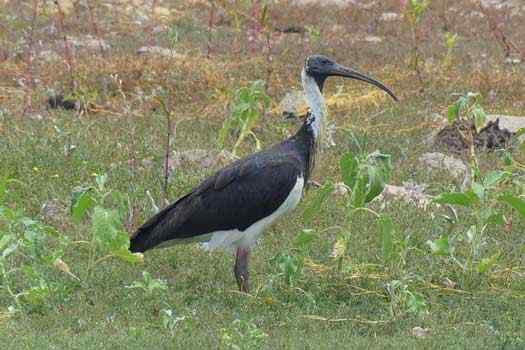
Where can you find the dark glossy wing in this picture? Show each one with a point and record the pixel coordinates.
(234, 198)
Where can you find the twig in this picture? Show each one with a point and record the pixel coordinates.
(151, 40)
(29, 81)
(357, 320)
(210, 28)
(167, 152)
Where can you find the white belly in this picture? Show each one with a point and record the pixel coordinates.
(232, 239)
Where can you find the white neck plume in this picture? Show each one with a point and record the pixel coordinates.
(316, 103)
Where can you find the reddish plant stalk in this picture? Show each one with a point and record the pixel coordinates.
(210, 28)
(28, 75)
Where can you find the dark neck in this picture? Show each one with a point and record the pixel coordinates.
(305, 145)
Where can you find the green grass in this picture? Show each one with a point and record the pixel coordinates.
(324, 307)
(101, 312)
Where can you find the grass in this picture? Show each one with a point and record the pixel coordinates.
(123, 135)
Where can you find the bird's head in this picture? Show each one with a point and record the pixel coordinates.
(321, 67)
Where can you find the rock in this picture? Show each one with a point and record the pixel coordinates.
(372, 39)
(35, 116)
(51, 209)
(512, 61)
(293, 104)
(49, 56)
(420, 332)
(390, 16)
(88, 42)
(158, 51)
(440, 161)
(325, 2)
(340, 189)
(448, 283)
(408, 193)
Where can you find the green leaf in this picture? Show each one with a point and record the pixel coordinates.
(125, 255)
(466, 199)
(349, 169)
(81, 201)
(315, 204)
(515, 202)
(480, 117)
(453, 111)
(376, 184)
(519, 132)
(357, 199)
(440, 246)
(379, 169)
(478, 190)
(101, 181)
(9, 250)
(486, 264)
(416, 303)
(494, 177)
(387, 237)
(305, 238)
(6, 238)
(496, 219)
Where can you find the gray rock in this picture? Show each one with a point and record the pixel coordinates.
(372, 39)
(409, 193)
(158, 51)
(49, 56)
(88, 42)
(439, 161)
(51, 209)
(390, 16)
(340, 189)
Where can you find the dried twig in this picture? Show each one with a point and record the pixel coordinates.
(28, 76)
(357, 320)
(210, 28)
(167, 153)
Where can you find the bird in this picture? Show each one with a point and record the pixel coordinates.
(231, 208)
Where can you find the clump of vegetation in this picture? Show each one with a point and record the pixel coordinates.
(248, 106)
(30, 254)
(109, 238)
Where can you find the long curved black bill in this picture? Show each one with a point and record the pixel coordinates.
(342, 71)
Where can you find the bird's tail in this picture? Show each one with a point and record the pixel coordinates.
(139, 242)
(154, 231)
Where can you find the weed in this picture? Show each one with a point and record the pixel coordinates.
(149, 285)
(248, 106)
(242, 334)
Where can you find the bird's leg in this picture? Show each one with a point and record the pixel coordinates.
(241, 269)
